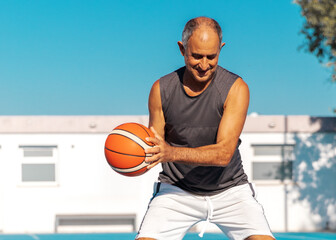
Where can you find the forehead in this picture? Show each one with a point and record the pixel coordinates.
(204, 39)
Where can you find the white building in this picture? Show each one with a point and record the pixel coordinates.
(54, 176)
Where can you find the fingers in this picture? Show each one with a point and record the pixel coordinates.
(153, 164)
(153, 156)
(154, 152)
(153, 140)
(152, 160)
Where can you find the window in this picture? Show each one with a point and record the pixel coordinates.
(272, 170)
(38, 164)
(272, 162)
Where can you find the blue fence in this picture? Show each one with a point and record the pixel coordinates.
(130, 236)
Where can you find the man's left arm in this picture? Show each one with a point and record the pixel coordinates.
(218, 154)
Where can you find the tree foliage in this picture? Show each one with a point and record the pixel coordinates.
(320, 30)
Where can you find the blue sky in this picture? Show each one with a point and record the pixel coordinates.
(96, 57)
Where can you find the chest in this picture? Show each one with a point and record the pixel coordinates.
(192, 121)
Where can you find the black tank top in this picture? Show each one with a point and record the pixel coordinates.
(193, 122)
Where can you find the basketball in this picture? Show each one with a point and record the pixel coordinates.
(125, 149)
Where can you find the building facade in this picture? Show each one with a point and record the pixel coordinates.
(54, 176)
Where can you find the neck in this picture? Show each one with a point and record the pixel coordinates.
(192, 86)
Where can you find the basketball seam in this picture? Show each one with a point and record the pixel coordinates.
(132, 137)
(132, 169)
(131, 155)
(143, 127)
(145, 130)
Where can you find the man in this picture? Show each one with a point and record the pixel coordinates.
(197, 114)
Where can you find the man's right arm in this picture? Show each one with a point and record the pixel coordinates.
(156, 117)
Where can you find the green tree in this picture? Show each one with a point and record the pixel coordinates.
(320, 30)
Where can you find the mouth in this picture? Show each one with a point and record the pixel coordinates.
(202, 72)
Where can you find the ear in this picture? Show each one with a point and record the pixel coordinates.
(222, 45)
(182, 49)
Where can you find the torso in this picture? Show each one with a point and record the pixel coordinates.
(192, 120)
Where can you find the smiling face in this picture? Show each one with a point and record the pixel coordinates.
(201, 54)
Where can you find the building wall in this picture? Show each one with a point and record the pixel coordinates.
(308, 201)
(85, 184)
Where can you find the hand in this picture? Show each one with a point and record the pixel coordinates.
(160, 152)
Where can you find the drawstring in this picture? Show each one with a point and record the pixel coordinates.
(210, 212)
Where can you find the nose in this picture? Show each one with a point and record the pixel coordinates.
(204, 65)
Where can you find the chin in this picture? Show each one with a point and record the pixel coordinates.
(204, 78)
(201, 79)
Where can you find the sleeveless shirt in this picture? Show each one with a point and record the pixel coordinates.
(193, 122)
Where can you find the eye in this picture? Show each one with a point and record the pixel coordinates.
(197, 56)
(211, 57)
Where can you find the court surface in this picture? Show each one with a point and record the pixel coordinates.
(130, 236)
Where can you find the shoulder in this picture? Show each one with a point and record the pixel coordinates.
(154, 100)
(239, 86)
(173, 76)
(238, 92)
(226, 76)
(224, 80)
(169, 83)
(156, 86)
(162, 88)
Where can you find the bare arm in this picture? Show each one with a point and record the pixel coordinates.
(219, 154)
(156, 118)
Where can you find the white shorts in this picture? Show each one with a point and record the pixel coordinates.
(172, 212)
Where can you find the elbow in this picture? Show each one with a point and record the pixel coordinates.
(225, 153)
(225, 159)
(224, 162)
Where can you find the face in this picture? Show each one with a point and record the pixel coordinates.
(201, 54)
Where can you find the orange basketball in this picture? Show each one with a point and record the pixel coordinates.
(125, 149)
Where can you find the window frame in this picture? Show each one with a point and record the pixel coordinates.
(54, 159)
(282, 158)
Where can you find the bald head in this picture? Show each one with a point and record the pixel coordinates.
(198, 22)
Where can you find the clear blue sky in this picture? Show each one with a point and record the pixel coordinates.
(100, 57)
